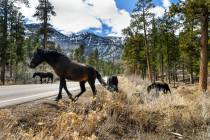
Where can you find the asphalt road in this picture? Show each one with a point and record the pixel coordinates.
(18, 94)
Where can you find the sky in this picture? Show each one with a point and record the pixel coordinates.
(102, 17)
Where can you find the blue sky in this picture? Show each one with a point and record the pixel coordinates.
(103, 17)
(130, 4)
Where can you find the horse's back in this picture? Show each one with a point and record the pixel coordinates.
(158, 85)
(80, 72)
(50, 74)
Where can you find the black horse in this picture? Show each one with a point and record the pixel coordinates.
(159, 86)
(67, 69)
(42, 75)
(112, 83)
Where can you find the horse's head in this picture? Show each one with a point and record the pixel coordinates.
(37, 58)
(34, 75)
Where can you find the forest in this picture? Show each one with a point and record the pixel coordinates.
(173, 47)
(17, 48)
(167, 55)
(170, 47)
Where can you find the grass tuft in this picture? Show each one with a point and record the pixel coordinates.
(130, 114)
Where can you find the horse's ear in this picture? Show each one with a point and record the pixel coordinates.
(39, 50)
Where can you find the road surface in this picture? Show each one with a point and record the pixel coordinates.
(18, 94)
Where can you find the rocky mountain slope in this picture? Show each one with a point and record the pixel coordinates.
(109, 48)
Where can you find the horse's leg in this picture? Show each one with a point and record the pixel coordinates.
(66, 89)
(156, 90)
(92, 85)
(83, 89)
(41, 80)
(60, 90)
(48, 79)
(164, 91)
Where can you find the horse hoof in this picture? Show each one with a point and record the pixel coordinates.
(57, 99)
(94, 98)
(75, 99)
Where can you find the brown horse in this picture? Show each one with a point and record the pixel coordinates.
(67, 69)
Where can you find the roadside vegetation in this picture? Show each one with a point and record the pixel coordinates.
(156, 48)
(173, 48)
(129, 114)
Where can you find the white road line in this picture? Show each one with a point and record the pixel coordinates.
(24, 99)
(21, 100)
(30, 98)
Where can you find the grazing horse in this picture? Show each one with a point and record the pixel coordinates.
(67, 69)
(112, 83)
(159, 86)
(41, 75)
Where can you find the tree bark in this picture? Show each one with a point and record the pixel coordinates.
(168, 61)
(191, 74)
(45, 25)
(174, 74)
(183, 74)
(4, 46)
(204, 52)
(162, 72)
(147, 48)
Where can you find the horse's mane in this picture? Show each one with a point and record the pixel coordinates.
(56, 54)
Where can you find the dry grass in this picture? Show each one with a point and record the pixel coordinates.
(129, 114)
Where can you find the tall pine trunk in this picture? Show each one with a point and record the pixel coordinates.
(204, 52)
(191, 74)
(147, 48)
(162, 67)
(45, 25)
(45, 35)
(4, 47)
(183, 73)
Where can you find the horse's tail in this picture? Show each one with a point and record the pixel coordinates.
(100, 79)
(148, 89)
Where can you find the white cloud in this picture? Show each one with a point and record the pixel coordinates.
(110, 14)
(166, 3)
(29, 12)
(158, 11)
(77, 15)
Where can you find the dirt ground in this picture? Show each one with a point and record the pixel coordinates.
(129, 114)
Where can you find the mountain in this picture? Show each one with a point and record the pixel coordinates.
(109, 47)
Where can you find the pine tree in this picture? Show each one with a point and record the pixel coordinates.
(43, 13)
(154, 48)
(79, 54)
(200, 9)
(133, 54)
(188, 42)
(19, 41)
(93, 58)
(6, 8)
(1, 38)
(141, 16)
